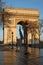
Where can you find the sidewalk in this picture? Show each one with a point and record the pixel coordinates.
(5, 47)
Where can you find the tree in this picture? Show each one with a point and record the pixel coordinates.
(40, 28)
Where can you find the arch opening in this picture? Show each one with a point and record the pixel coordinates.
(1, 31)
(20, 32)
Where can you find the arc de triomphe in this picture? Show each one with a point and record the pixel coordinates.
(12, 16)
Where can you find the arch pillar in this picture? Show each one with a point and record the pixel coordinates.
(8, 35)
(5, 35)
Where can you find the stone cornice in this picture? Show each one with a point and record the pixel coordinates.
(21, 11)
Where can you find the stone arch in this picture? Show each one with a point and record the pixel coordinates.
(17, 15)
(17, 20)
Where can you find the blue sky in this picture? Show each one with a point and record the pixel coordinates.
(38, 4)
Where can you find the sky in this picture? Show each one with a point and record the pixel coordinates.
(36, 4)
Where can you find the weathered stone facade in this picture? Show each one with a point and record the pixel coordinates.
(14, 15)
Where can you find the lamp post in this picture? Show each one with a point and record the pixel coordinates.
(12, 40)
